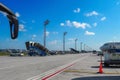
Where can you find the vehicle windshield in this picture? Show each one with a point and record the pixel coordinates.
(59, 39)
(14, 51)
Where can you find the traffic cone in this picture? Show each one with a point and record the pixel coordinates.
(100, 68)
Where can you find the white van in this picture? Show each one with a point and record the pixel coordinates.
(111, 53)
(15, 52)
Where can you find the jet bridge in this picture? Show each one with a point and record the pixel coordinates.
(74, 50)
(35, 48)
(13, 21)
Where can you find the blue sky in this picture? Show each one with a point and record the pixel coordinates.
(93, 22)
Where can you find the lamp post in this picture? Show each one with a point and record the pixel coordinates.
(64, 41)
(84, 47)
(45, 24)
(81, 46)
(75, 44)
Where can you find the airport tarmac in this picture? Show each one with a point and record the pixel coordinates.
(87, 69)
(59, 67)
(24, 68)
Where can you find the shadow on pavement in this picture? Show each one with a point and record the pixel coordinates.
(110, 67)
(98, 78)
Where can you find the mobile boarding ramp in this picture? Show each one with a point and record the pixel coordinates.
(74, 51)
(12, 20)
(36, 49)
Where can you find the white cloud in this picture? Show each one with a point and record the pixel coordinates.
(68, 23)
(95, 24)
(47, 33)
(17, 14)
(62, 24)
(55, 32)
(71, 39)
(76, 10)
(22, 28)
(53, 42)
(76, 24)
(93, 13)
(103, 18)
(34, 36)
(80, 25)
(89, 33)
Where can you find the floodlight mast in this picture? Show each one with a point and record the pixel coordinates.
(76, 44)
(64, 34)
(45, 24)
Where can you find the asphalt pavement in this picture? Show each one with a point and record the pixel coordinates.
(58, 67)
(24, 68)
(88, 69)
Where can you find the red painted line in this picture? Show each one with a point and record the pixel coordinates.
(57, 72)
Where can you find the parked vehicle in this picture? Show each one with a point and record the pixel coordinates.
(15, 52)
(99, 53)
(94, 51)
(111, 53)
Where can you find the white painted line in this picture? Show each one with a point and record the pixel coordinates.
(53, 71)
(7, 67)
